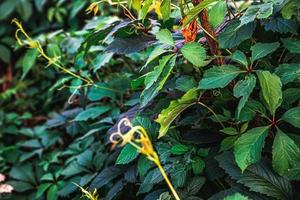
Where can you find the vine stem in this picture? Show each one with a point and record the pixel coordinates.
(163, 173)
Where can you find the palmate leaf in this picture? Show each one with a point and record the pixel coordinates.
(247, 149)
(293, 45)
(285, 153)
(233, 35)
(244, 88)
(292, 116)
(271, 89)
(260, 50)
(168, 115)
(218, 77)
(288, 72)
(258, 177)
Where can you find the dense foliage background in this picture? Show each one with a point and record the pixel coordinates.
(214, 83)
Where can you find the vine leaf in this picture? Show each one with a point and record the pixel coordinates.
(218, 77)
(244, 88)
(271, 89)
(92, 113)
(194, 53)
(258, 177)
(128, 154)
(168, 115)
(285, 153)
(292, 116)
(165, 37)
(248, 147)
(260, 50)
(288, 72)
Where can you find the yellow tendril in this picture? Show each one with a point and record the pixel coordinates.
(90, 195)
(137, 136)
(34, 44)
(93, 8)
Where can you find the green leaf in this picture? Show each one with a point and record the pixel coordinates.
(185, 83)
(42, 189)
(165, 9)
(248, 147)
(179, 149)
(233, 35)
(229, 131)
(288, 72)
(99, 91)
(240, 57)
(101, 60)
(195, 185)
(285, 152)
(157, 51)
(28, 61)
(290, 9)
(236, 196)
(165, 37)
(217, 14)
(194, 53)
(228, 143)
(218, 76)
(4, 53)
(168, 115)
(198, 165)
(258, 177)
(260, 11)
(294, 173)
(292, 44)
(292, 116)
(244, 88)
(7, 7)
(52, 193)
(92, 113)
(280, 25)
(156, 79)
(193, 13)
(260, 50)
(128, 154)
(271, 89)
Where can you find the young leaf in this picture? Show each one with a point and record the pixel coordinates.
(229, 131)
(218, 76)
(165, 37)
(92, 113)
(168, 115)
(194, 53)
(285, 153)
(292, 116)
(240, 57)
(271, 89)
(288, 72)
(128, 154)
(293, 45)
(244, 88)
(260, 50)
(247, 149)
(165, 9)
